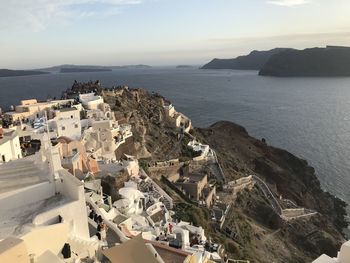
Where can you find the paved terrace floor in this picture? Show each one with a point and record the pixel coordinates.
(19, 174)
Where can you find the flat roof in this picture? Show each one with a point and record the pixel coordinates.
(20, 173)
(169, 254)
(68, 109)
(8, 135)
(132, 251)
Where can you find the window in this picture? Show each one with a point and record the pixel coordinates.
(3, 158)
(71, 116)
(63, 128)
(76, 126)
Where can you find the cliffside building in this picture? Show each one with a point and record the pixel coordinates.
(177, 118)
(90, 101)
(75, 159)
(66, 123)
(32, 109)
(104, 137)
(196, 187)
(9, 145)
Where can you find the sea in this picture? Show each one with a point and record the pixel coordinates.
(309, 117)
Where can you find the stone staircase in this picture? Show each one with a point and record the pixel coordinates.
(83, 248)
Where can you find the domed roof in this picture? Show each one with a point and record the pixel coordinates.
(130, 193)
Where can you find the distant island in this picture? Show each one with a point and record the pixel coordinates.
(76, 69)
(332, 61)
(139, 66)
(69, 68)
(18, 73)
(253, 61)
(185, 66)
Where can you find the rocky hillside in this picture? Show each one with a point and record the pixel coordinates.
(317, 62)
(155, 136)
(290, 176)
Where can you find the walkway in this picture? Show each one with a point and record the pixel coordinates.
(285, 214)
(220, 172)
(268, 194)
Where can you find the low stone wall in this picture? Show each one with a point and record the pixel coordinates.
(293, 212)
(168, 163)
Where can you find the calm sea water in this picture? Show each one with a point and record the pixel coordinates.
(309, 117)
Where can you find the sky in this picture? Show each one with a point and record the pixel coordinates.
(40, 33)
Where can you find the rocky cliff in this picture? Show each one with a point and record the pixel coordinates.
(312, 62)
(253, 61)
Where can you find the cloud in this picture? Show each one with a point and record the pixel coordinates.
(38, 15)
(288, 3)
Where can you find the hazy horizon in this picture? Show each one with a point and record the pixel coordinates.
(45, 33)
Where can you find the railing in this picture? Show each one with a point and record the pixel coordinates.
(286, 214)
(269, 195)
(220, 169)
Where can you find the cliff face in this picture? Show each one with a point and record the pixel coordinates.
(318, 62)
(300, 240)
(254, 61)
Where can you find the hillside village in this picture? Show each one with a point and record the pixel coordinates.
(118, 175)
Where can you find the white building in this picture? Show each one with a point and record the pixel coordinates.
(104, 137)
(66, 123)
(9, 146)
(131, 164)
(70, 128)
(133, 200)
(102, 113)
(90, 100)
(343, 256)
(32, 109)
(42, 207)
(203, 149)
(179, 120)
